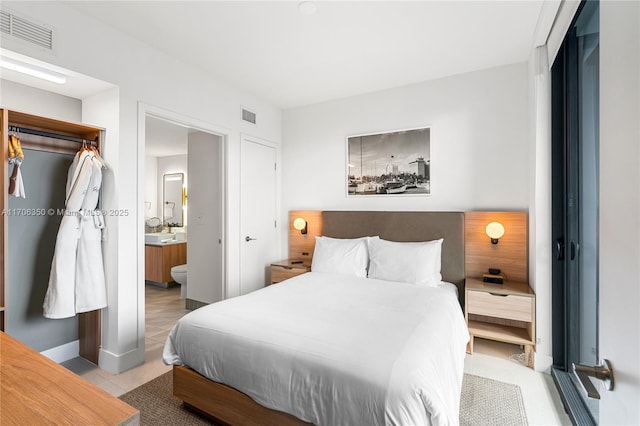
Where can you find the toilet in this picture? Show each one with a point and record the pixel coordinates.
(179, 275)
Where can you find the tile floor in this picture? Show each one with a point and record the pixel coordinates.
(490, 359)
(499, 361)
(163, 308)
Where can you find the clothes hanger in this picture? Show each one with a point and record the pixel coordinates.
(15, 157)
(94, 148)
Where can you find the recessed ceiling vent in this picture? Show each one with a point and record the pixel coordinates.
(248, 116)
(26, 30)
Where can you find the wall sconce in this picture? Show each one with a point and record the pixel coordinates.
(300, 224)
(495, 231)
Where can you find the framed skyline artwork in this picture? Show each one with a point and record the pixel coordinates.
(394, 163)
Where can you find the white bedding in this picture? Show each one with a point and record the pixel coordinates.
(334, 349)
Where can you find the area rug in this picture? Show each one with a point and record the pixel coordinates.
(491, 403)
(484, 402)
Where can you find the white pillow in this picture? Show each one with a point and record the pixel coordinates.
(415, 263)
(341, 256)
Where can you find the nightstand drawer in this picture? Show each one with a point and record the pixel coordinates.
(519, 308)
(281, 273)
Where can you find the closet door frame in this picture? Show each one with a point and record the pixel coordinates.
(4, 129)
(89, 323)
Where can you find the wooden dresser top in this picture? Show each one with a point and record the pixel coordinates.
(35, 390)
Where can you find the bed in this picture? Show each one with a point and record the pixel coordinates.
(334, 346)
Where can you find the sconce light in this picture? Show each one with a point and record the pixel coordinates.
(495, 231)
(300, 224)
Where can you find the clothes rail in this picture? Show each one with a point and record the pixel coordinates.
(53, 135)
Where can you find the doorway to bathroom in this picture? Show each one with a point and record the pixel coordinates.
(165, 207)
(183, 192)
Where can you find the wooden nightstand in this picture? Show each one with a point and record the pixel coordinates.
(285, 269)
(503, 312)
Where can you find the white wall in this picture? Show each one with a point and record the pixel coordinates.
(204, 248)
(479, 144)
(619, 292)
(103, 110)
(142, 75)
(151, 186)
(540, 202)
(17, 97)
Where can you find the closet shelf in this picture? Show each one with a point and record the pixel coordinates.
(20, 119)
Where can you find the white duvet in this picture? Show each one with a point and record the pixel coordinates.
(334, 349)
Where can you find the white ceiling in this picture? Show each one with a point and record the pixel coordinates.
(289, 59)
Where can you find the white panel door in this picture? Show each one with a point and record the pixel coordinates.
(258, 198)
(619, 268)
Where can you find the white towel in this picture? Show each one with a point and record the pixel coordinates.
(168, 212)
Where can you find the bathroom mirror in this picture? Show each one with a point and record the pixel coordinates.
(172, 202)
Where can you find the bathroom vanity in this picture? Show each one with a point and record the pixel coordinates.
(160, 257)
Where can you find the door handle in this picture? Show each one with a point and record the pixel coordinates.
(560, 249)
(575, 248)
(602, 372)
(248, 238)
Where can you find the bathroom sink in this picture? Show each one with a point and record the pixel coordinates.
(159, 237)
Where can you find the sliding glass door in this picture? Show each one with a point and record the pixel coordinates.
(575, 121)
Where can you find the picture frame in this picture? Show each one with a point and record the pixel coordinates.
(395, 163)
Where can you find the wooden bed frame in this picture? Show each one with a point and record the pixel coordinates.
(223, 403)
(229, 406)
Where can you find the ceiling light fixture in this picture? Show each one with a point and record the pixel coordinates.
(307, 7)
(32, 70)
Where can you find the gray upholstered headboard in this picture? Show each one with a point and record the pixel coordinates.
(406, 226)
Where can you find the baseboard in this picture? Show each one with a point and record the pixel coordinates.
(193, 304)
(162, 285)
(542, 363)
(64, 352)
(116, 364)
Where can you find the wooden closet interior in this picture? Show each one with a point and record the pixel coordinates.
(44, 134)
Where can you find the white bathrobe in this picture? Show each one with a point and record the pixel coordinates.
(76, 282)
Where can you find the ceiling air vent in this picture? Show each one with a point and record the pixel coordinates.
(248, 116)
(26, 30)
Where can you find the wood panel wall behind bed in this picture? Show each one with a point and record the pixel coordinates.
(301, 245)
(393, 226)
(510, 255)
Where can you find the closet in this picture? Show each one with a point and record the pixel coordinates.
(53, 143)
